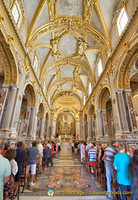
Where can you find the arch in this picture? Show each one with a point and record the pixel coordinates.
(76, 22)
(30, 95)
(40, 111)
(85, 118)
(92, 111)
(124, 74)
(66, 108)
(103, 98)
(8, 69)
(47, 117)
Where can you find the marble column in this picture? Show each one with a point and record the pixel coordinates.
(81, 135)
(3, 96)
(50, 126)
(32, 121)
(105, 126)
(91, 128)
(9, 107)
(54, 129)
(77, 128)
(100, 123)
(122, 111)
(18, 102)
(38, 127)
(130, 111)
(115, 107)
(26, 122)
(42, 129)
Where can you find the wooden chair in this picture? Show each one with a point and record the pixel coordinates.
(23, 176)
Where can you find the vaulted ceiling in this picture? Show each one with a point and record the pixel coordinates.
(68, 36)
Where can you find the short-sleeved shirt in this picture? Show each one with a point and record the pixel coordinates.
(110, 152)
(122, 163)
(93, 154)
(32, 155)
(5, 171)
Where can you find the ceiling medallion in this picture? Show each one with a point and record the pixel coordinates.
(68, 45)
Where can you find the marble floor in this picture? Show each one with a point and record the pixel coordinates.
(67, 179)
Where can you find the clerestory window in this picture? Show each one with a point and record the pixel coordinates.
(15, 13)
(100, 67)
(122, 21)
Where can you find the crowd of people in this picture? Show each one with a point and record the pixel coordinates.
(120, 166)
(12, 159)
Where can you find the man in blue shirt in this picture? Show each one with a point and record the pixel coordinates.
(122, 165)
(5, 170)
(33, 154)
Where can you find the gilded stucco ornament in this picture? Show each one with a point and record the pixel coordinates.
(1, 20)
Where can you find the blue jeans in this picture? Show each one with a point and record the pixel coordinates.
(110, 175)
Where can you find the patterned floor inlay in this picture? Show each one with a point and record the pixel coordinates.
(68, 179)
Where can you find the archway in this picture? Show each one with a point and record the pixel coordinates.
(27, 113)
(105, 115)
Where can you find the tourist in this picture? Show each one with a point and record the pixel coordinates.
(52, 147)
(88, 147)
(59, 146)
(76, 147)
(45, 156)
(40, 150)
(122, 165)
(109, 154)
(8, 187)
(100, 157)
(5, 170)
(49, 144)
(7, 146)
(92, 157)
(20, 156)
(130, 151)
(72, 145)
(33, 154)
(134, 172)
(82, 152)
(49, 157)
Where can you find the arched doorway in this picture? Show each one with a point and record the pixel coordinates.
(27, 114)
(105, 115)
(110, 120)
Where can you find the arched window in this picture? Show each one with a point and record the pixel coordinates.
(84, 100)
(16, 12)
(35, 63)
(122, 21)
(90, 88)
(100, 67)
